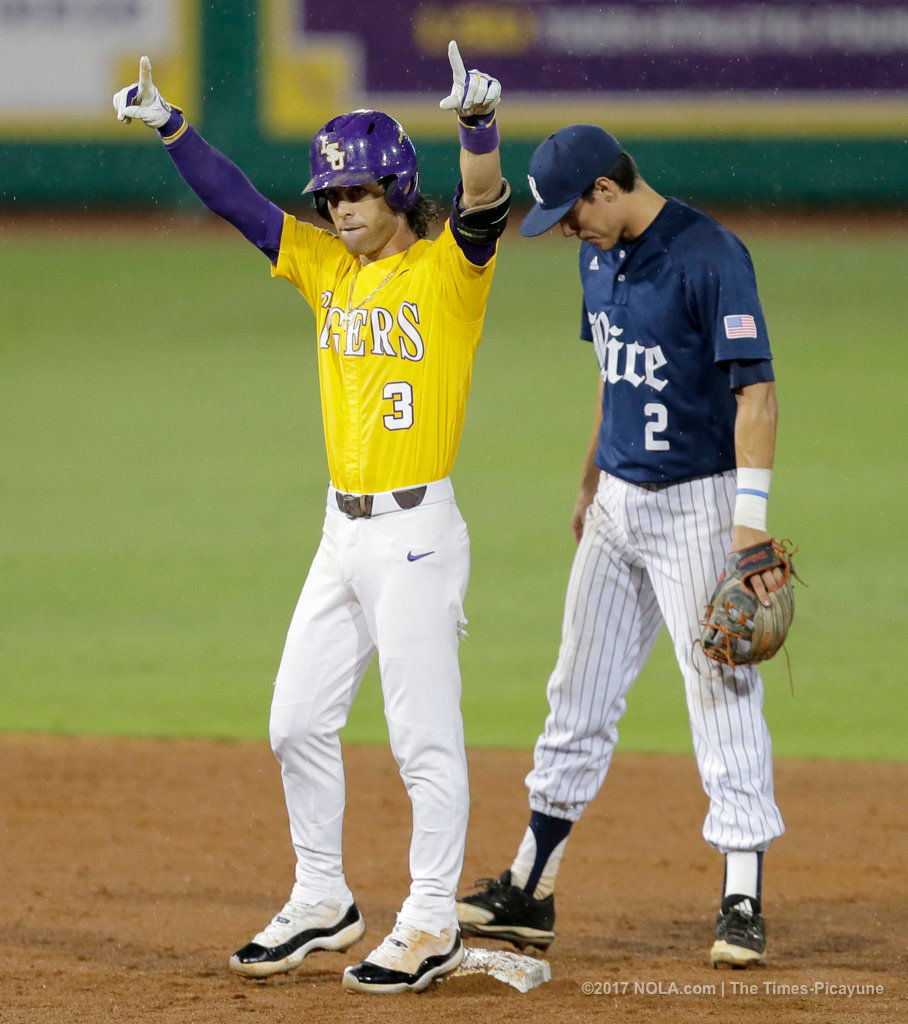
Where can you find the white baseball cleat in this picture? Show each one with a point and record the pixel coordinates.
(408, 960)
(294, 933)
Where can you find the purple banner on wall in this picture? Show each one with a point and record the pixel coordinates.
(564, 46)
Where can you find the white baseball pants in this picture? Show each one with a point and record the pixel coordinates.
(395, 584)
(649, 556)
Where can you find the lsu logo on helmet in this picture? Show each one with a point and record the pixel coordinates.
(361, 147)
(335, 155)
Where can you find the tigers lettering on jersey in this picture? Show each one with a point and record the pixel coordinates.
(393, 334)
(396, 343)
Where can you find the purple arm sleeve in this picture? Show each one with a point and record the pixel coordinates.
(224, 189)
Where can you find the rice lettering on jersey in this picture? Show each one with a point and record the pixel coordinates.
(619, 360)
(664, 314)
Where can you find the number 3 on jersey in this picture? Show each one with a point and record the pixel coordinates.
(654, 426)
(400, 394)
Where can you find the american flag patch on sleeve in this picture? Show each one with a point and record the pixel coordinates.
(740, 326)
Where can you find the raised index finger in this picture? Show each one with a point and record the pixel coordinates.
(145, 92)
(460, 72)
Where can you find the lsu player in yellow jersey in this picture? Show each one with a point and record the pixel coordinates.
(398, 322)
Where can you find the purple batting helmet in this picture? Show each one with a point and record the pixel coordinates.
(362, 147)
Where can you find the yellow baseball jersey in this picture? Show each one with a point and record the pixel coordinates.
(396, 342)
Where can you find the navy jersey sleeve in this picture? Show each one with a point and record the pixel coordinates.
(749, 371)
(721, 292)
(586, 331)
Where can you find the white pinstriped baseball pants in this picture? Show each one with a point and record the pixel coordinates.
(649, 556)
(363, 594)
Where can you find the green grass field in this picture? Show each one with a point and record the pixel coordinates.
(163, 477)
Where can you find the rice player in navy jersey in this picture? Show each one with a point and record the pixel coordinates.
(677, 475)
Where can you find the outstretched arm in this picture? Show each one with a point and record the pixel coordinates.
(475, 95)
(218, 182)
(484, 198)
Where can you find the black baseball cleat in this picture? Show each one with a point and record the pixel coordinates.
(408, 960)
(507, 912)
(740, 933)
(294, 933)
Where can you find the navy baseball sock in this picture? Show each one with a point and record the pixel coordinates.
(550, 835)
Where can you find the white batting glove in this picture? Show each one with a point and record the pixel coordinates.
(142, 101)
(473, 92)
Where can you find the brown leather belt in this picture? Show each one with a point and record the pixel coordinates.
(359, 506)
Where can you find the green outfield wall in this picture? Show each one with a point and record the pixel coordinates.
(795, 157)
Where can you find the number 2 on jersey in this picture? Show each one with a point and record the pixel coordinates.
(656, 425)
(400, 394)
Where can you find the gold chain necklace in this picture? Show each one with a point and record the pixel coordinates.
(348, 312)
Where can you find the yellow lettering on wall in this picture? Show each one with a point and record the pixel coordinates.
(478, 28)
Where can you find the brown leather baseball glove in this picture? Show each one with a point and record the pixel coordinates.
(738, 629)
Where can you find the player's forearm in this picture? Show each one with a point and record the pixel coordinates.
(589, 471)
(480, 159)
(755, 426)
(481, 176)
(224, 188)
(755, 442)
(483, 197)
(589, 475)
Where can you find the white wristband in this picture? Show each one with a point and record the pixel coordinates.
(752, 497)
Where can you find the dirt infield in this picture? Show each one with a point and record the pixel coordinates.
(131, 869)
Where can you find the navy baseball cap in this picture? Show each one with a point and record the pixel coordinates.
(563, 168)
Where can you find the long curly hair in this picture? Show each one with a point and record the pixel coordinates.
(421, 217)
